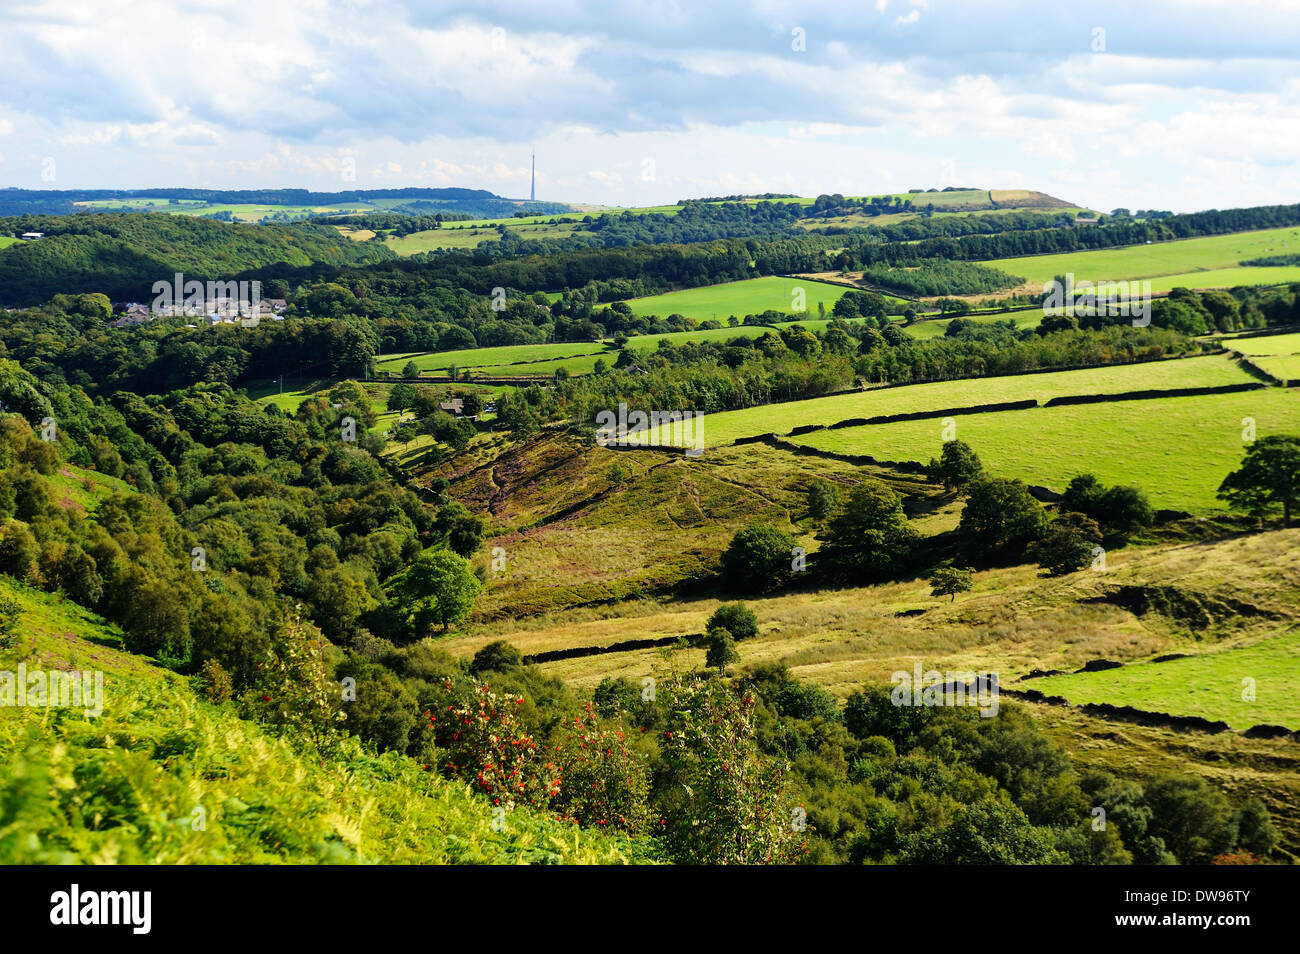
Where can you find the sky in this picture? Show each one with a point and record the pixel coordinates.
(1167, 105)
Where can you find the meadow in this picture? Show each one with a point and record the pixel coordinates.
(1208, 684)
(1206, 371)
(1209, 261)
(749, 297)
(936, 327)
(494, 357)
(1177, 449)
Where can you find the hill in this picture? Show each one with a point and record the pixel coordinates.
(164, 777)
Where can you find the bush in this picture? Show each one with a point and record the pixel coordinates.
(497, 656)
(736, 618)
(10, 613)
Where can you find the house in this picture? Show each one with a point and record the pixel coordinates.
(32, 236)
(454, 406)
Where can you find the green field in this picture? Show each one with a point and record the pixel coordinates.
(578, 364)
(463, 235)
(725, 427)
(493, 357)
(1266, 345)
(1216, 256)
(7, 240)
(650, 342)
(749, 297)
(1208, 685)
(936, 327)
(1176, 449)
(1285, 368)
(241, 212)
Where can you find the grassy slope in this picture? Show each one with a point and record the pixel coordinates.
(725, 427)
(1144, 443)
(123, 787)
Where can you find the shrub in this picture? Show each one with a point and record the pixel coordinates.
(496, 656)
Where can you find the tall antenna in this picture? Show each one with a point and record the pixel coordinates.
(532, 194)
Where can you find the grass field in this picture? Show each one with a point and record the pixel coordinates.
(465, 235)
(1285, 368)
(493, 357)
(1205, 371)
(1176, 449)
(1208, 685)
(1279, 355)
(935, 327)
(749, 297)
(651, 342)
(7, 240)
(1215, 256)
(1266, 345)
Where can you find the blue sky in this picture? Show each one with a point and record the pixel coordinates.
(1184, 106)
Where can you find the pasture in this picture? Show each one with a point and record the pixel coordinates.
(749, 297)
(727, 426)
(493, 357)
(1177, 449)
(1215, 257)
(1208, 684)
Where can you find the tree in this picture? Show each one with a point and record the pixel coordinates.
(1191, 818)
(1068, 545)
(19, 551)
(1269, 477)
(958, 465)
(758, 557)
(872, 528)
(823, 498)
(439, 587)
(736, 619)
(949, 581)
(1001, 517)
(721, 650)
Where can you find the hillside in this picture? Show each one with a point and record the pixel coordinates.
(163, 777)
(121, 256)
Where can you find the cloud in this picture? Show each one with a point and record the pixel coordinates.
(260, 92)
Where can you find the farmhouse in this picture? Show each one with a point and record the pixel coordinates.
(32, 236)
(454, 406)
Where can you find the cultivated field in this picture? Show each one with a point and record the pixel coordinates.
(1177, 449)
(725, 427)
